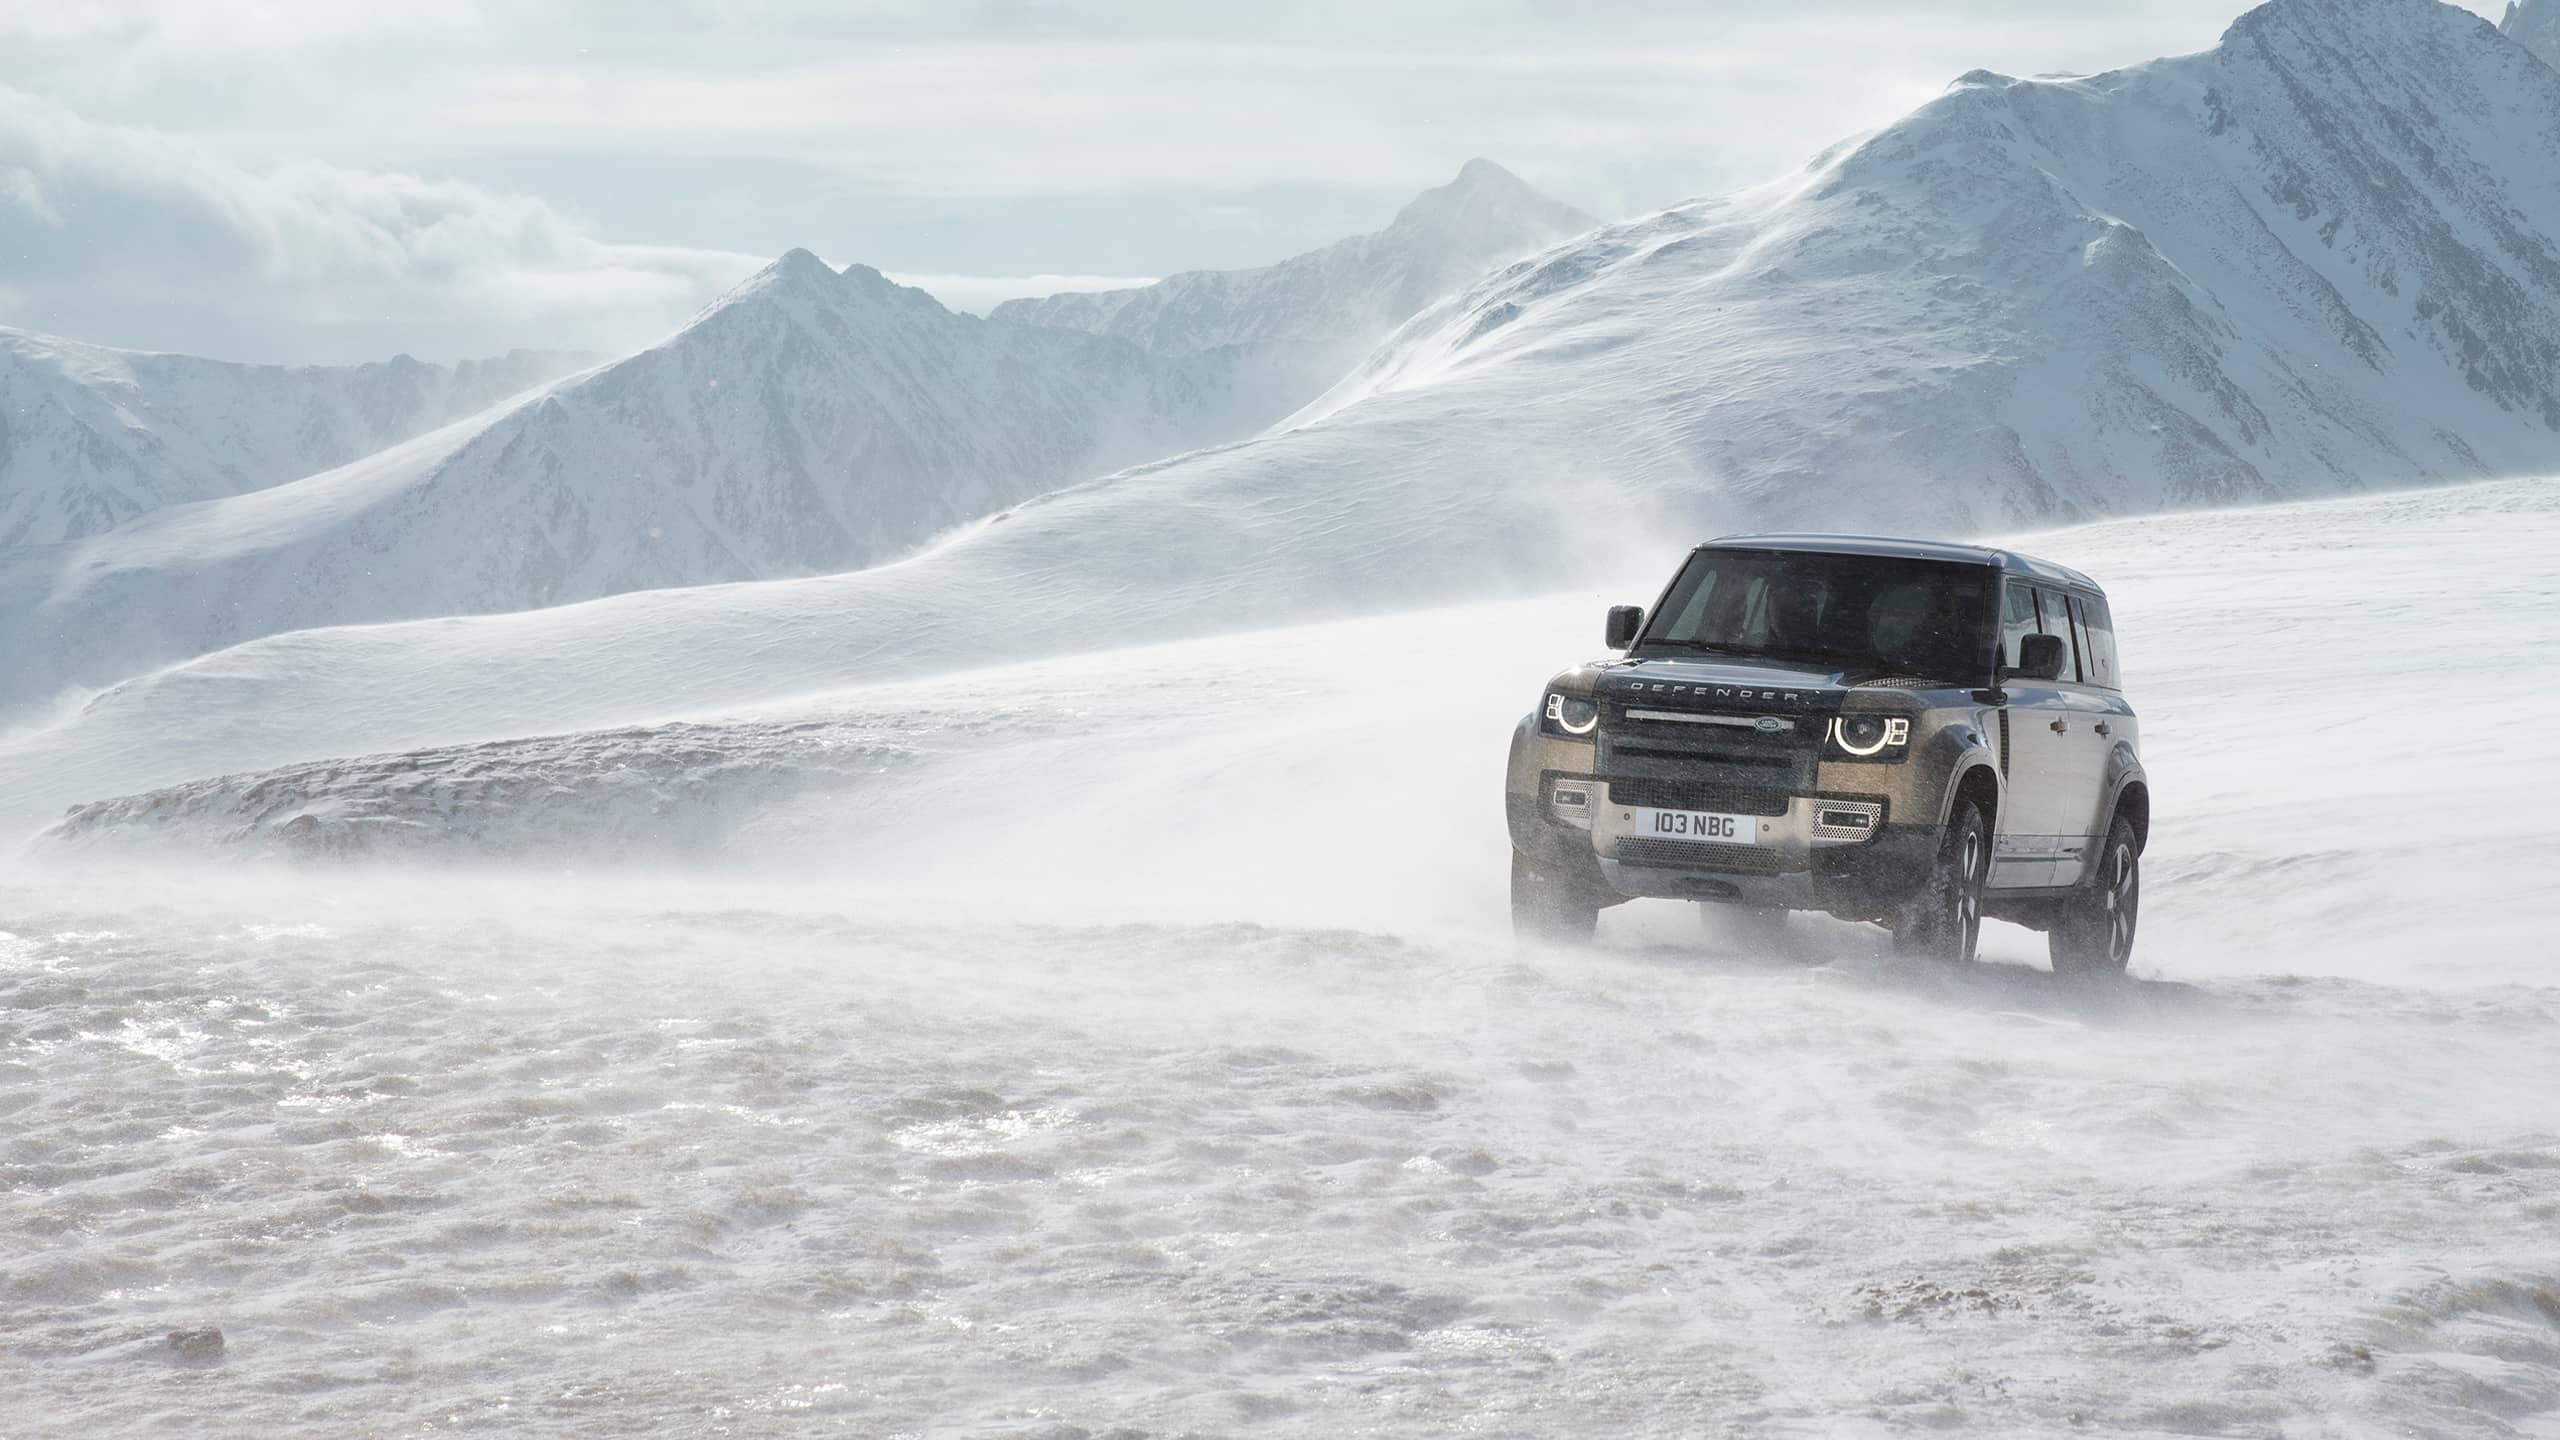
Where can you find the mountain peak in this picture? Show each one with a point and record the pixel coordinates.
(1483, 189)
(800, 280)
(2535, 24)
(800, 267)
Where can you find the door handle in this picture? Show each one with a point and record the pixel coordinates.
(2105, 729)
(2061, 725)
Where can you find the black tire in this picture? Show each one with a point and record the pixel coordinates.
(1548, 907)
(2093, 936)
(1944, 921)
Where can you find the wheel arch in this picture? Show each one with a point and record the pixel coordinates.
(1979, 783)
(2133, 802)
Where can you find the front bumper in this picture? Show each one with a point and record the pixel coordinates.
(1805, 854)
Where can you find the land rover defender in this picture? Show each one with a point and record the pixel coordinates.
(1906, 732)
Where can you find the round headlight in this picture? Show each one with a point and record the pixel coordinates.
(1864, 735)
(1572, 714)
(1861, 734)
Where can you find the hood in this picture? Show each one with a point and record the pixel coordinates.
(1780, 684)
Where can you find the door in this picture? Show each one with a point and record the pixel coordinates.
(2022, 848)
(2085, 721)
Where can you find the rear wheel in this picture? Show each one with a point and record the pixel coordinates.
(1944, 921)
(2094, 934)
(1549, 907)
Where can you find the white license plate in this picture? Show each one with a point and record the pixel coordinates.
(1694, 825)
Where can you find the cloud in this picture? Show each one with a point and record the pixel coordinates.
(20, 189)
(987, 139)
(140, 238)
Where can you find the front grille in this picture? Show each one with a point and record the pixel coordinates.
(1719, 756)
(1687, 855)
(1684, 795)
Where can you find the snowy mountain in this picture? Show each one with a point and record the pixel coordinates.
(1317, 314)
(2535, 24)
(2316, 258)
(91, 437)
(810, 421)
(2323, 256)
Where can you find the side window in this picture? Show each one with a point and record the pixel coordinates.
(2056, 620)
(2017, 621)
(2097, 639)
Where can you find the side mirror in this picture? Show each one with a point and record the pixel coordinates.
(1624, 622)
(2041, 657)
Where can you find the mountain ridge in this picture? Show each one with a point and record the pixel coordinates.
(2534, 24)
(92, 436)
(809, 420)
(1325, 308)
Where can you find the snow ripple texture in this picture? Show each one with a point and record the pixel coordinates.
(720, 1168)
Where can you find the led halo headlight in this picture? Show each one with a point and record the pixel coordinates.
(1866, 737)
(1572, 714)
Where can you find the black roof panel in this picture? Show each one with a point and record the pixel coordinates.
(1902, 549)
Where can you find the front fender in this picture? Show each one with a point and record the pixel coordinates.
(1520, 783)
(1954, 754)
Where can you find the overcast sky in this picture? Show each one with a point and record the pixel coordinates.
(296, 180)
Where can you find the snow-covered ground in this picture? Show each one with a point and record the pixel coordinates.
(1130, 1042)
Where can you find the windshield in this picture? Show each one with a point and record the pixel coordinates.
(1859, 612)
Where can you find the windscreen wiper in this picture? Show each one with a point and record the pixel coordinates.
(1708, 646)
(1745, 652)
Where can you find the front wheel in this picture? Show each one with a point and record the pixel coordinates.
(2093, 937)
(1944, 921)
(1549, 907)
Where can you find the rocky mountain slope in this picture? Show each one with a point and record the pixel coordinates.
(1317, 314)
(811, 421)
(2323, 256)
(91, 437)
(2535, 24)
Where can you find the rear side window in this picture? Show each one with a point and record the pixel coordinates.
(2097, 640)
(2056, 620)
(2017, 621)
